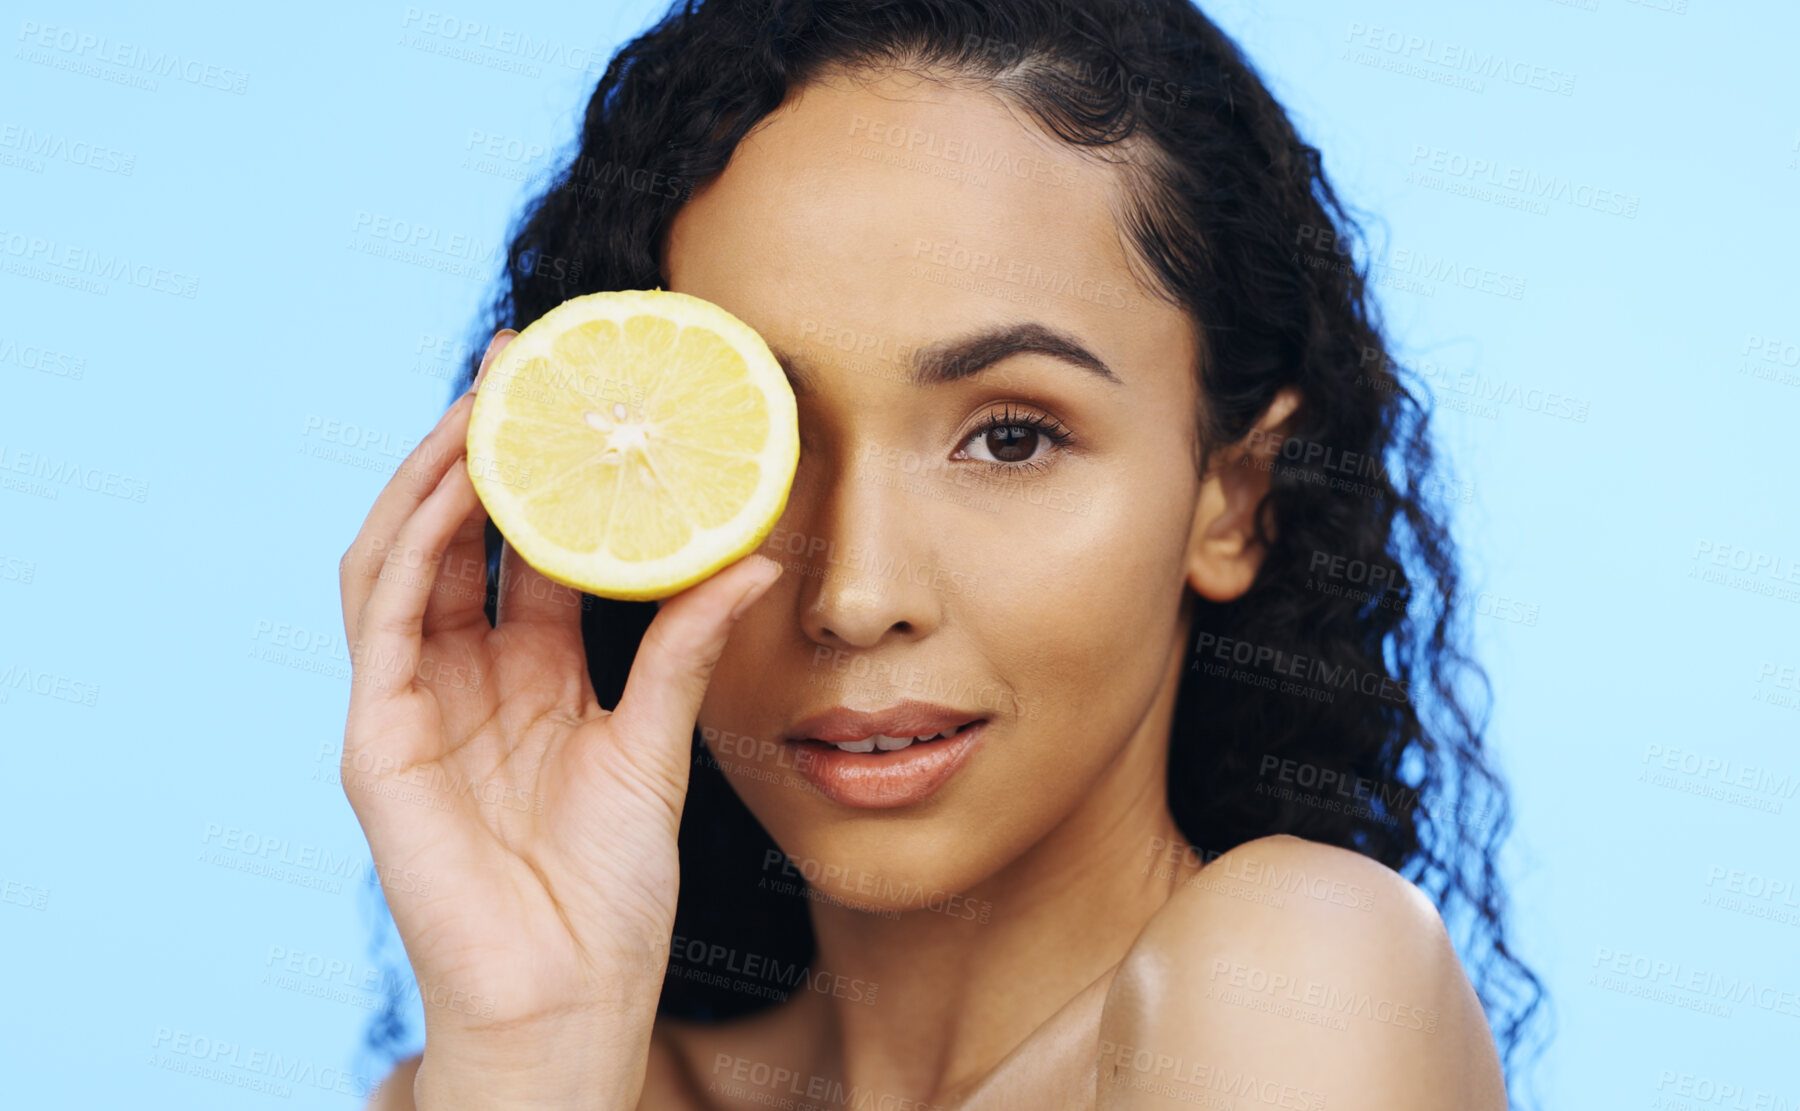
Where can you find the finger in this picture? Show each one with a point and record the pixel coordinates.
(676, 658)
(385, 648)
(414, 480)
(496, 345)
(528, 598)
(461, 590)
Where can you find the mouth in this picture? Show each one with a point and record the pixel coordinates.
(882, 742)
(894, 758)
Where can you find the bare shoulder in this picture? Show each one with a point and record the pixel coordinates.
(1302, 975)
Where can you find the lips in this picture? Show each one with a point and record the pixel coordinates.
(905, 721)
(894, 757)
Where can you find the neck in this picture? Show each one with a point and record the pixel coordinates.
(959, 986)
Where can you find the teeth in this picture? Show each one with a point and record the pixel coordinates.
(888, 744)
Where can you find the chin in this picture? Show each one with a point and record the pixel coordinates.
(887, 867)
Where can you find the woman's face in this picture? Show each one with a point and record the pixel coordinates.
(1004, 539)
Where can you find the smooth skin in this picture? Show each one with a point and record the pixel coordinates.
(1046, 586)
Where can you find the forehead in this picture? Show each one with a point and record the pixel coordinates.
(896, 209)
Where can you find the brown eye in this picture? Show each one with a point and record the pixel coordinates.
(1012, 443)
(1016, 439)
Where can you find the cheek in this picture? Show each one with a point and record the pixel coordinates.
(1097, 583)
(737, 694)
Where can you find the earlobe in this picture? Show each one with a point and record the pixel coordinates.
(1223, 551)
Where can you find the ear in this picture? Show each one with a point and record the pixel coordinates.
(1223, 555)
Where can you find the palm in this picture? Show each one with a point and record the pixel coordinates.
(524, 815)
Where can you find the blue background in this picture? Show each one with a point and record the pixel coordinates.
(1632, 688)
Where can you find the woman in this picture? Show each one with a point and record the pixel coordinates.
(1067, 742)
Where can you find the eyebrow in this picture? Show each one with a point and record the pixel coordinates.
(955, 360)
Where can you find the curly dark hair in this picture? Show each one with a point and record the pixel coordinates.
(1333, 700)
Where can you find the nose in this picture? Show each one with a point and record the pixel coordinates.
(870, 560)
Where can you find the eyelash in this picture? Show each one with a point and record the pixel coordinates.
(1046, 426)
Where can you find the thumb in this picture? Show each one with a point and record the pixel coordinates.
(656, 713)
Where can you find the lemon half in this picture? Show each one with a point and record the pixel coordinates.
(630, 444)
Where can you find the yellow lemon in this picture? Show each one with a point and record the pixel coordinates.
(630, 444)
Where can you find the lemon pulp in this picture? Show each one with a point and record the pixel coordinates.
(632, 443)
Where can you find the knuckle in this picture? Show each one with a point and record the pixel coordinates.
(409, 556)
(676, 652)
(685, 682)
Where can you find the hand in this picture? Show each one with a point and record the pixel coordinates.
(525, 837)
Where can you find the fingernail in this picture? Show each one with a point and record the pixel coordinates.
(764, 580)
(494, 347)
